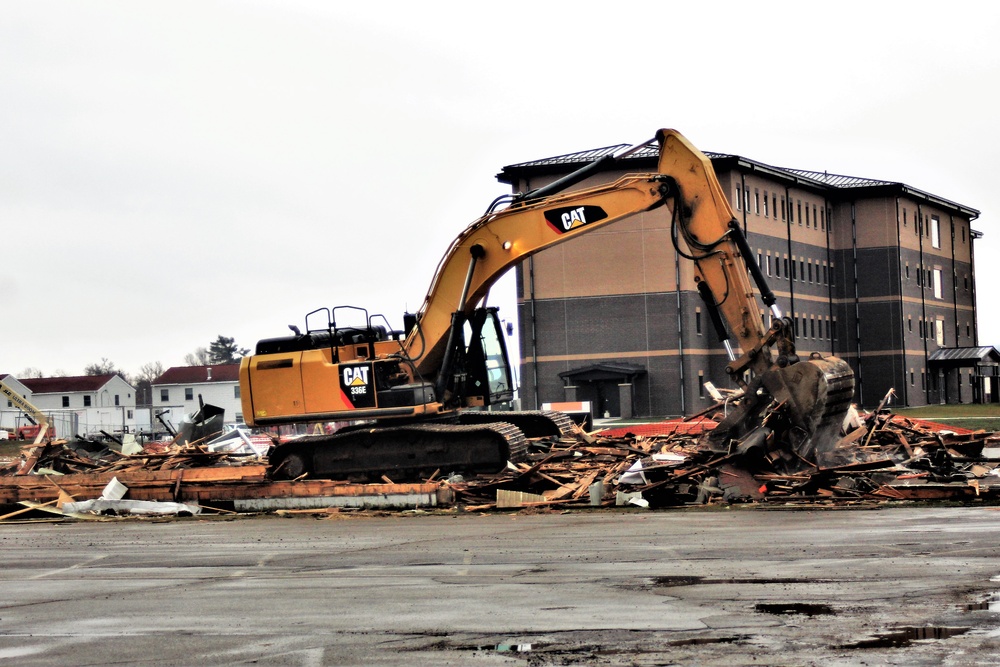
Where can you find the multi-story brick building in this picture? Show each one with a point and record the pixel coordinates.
(876, 272)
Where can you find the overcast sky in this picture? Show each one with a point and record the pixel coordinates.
(173, 171)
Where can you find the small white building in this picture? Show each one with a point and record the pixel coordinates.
(84, 404)
(179, 388)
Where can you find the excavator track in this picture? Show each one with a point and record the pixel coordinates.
(401, 453)
(533, 423)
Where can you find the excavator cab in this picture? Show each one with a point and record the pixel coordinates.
(487, 366)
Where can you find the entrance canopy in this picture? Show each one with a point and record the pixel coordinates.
(604, 371)
(963, 357)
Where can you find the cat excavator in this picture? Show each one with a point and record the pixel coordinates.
(425, 398)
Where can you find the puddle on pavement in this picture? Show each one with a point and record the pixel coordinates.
(792, 608)
(901, 637)
(670, 582)
(991, 603)
(499, 648)
(701, 641)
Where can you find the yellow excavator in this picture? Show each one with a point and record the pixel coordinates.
(419, 400)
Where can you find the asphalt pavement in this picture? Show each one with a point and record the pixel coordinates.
(895, 586)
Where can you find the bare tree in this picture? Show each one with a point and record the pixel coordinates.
(106, 367)
(103, 367)
(31, 372)
(144, 382)
(198, 358)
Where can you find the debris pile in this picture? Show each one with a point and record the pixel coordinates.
(882, 457)
(67, 457)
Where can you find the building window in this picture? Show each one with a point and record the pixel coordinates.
(188, 394)
(777, 267)
(802, 269)
(798, 210)
(904, 219)
(164, 395)
(911, 377)
(920, 327)
(909, 323)
(128, 414)
(86, 401)
(936, 279)
(786, 266)
(812, 327)
(236, 391)
(746, 198)
(935, 231)
(782, 208)
(765, 204)
(822, 219)
(739, 203)
(65, 401)
(116, 399)
(907, 270)
(833, 329)
(756, 201)
(774, 208)
(701, 384)
(810, 270)
(767, 260)
(807, 214)
(939, 332)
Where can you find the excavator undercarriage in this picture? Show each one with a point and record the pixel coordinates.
(475, 442)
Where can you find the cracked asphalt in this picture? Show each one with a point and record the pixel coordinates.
(894, 586)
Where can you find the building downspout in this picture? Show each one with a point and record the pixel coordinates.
(746, 204)
(902, 305)
(791, 263)
(857, 303)
(827, 210)
(680, 331)
(534, 330)
(954, 301)
(923, 304)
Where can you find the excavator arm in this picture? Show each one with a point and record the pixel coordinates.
(814, 395)
(538, 220)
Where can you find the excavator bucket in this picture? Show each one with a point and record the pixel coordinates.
(816, 395)
(799, 408)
